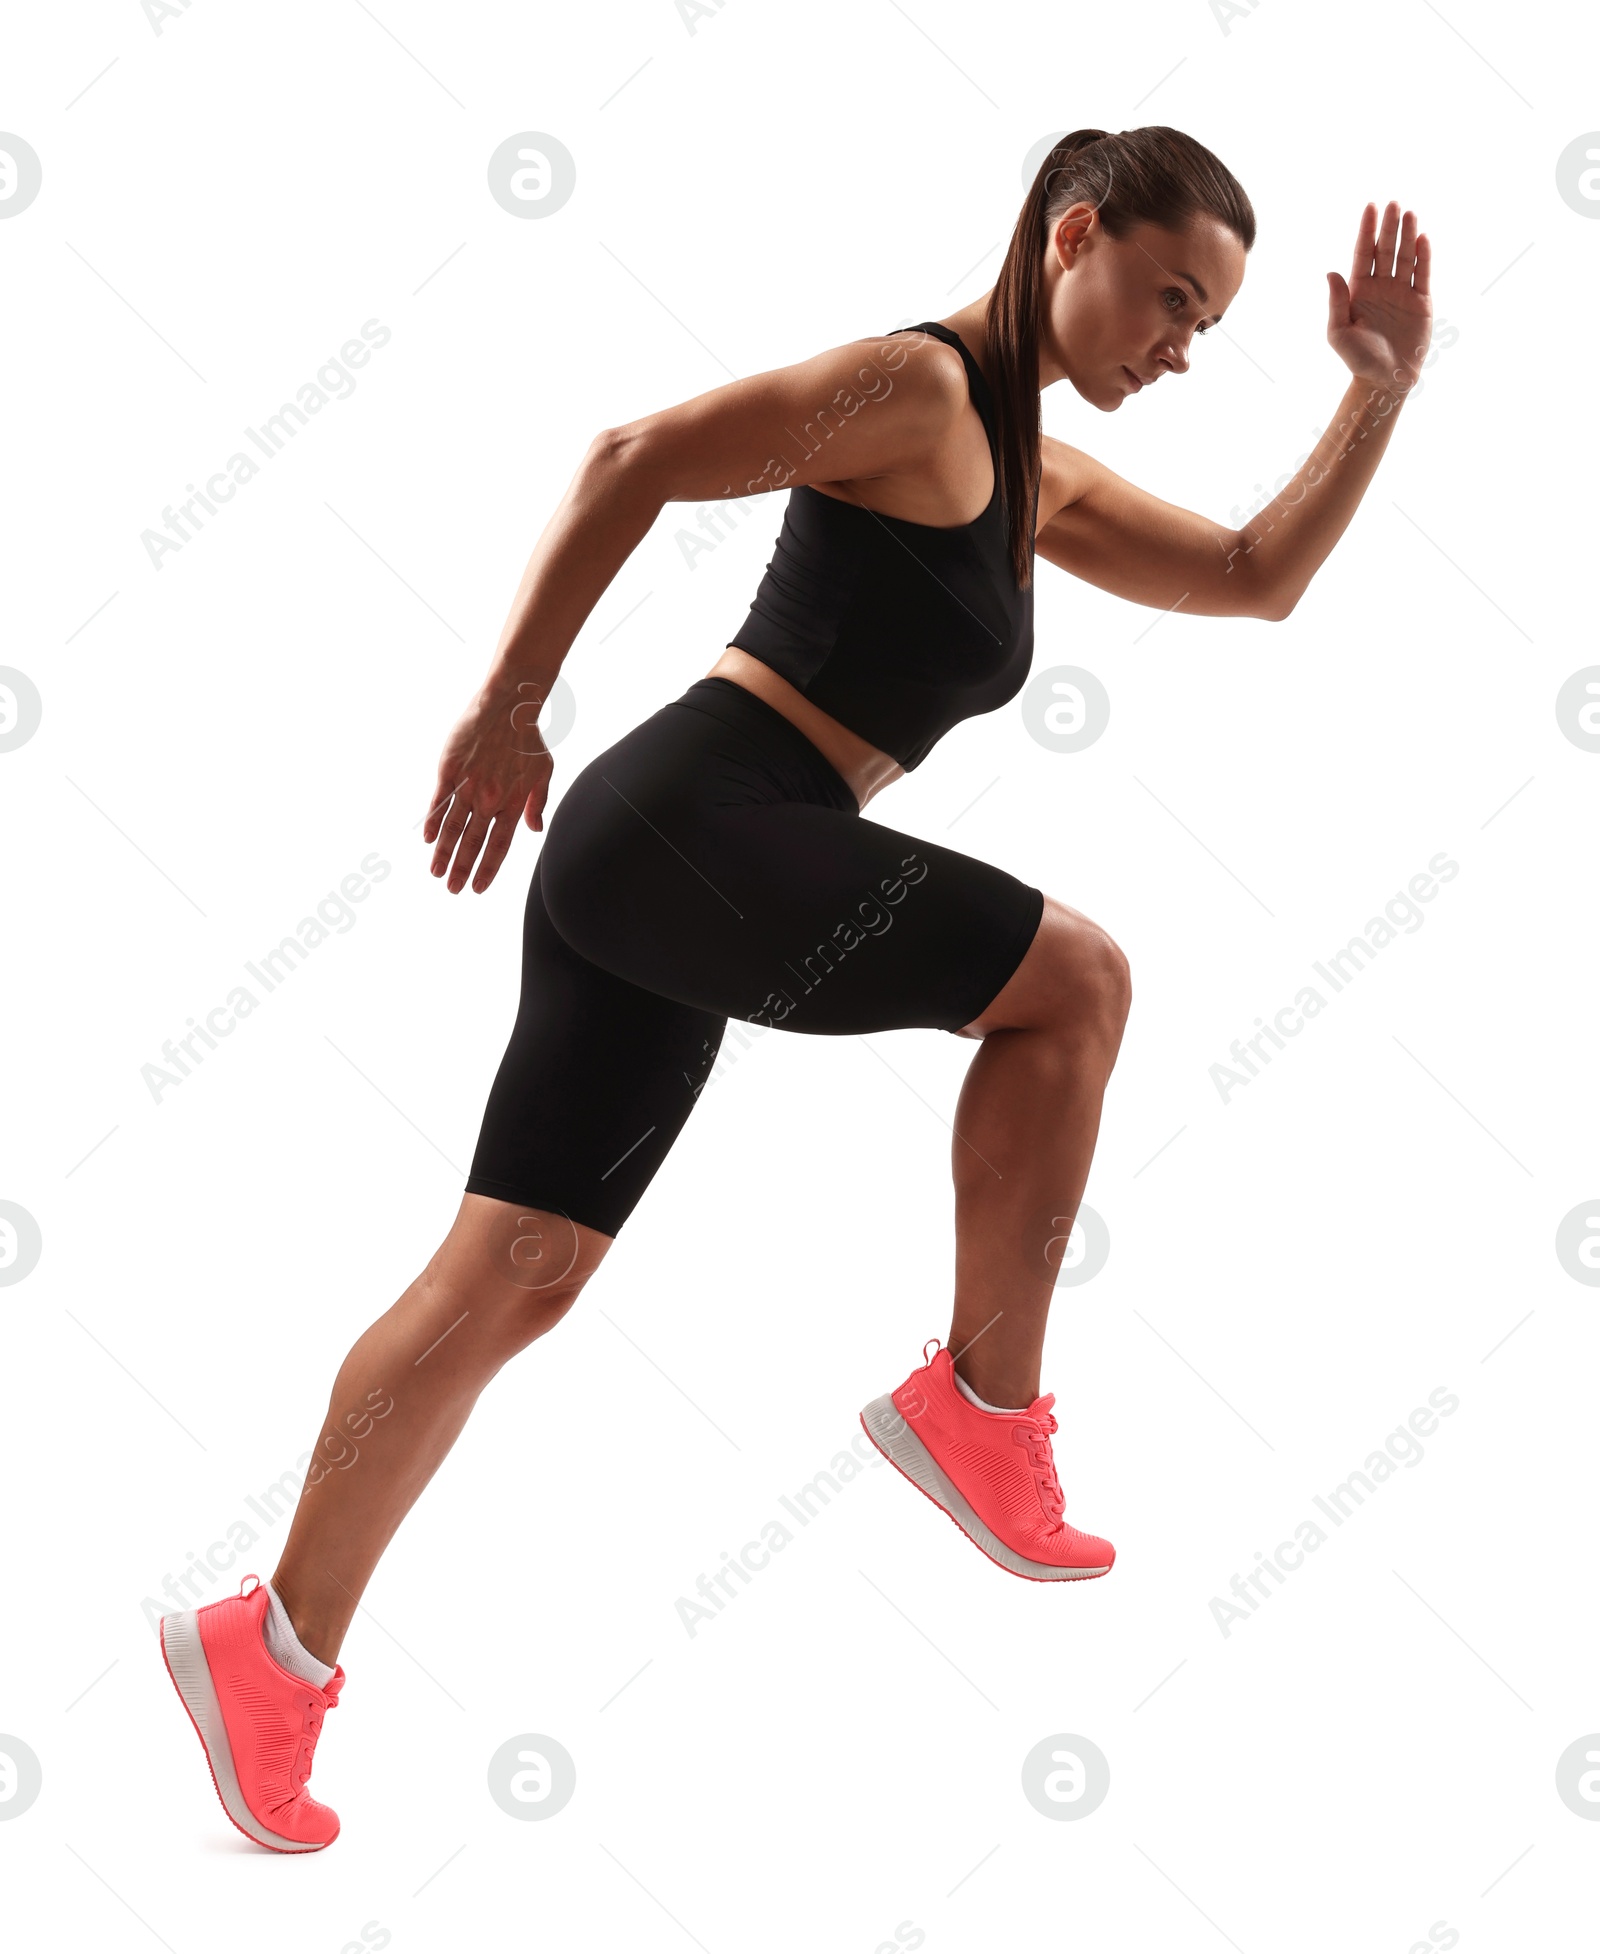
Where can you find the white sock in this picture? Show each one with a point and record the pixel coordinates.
(283, 1645)
(967, 1392)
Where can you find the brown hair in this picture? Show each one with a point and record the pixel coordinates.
(1153, 175)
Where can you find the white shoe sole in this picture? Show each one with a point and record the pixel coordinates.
(886, 1426)
(185, 1657)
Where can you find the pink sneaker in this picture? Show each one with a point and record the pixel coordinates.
(992, 1472)
(258, 1723)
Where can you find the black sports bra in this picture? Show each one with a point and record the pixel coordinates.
(899, 630)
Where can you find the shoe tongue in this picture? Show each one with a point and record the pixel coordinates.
(333, 1685)
(1041, 1405)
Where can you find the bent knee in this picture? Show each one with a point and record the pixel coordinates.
(511, 1314)
(1089, 979)
(1074, 977)
(1116, 978)
(519, 1266)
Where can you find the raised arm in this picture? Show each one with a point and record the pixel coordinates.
(1129, 542)
(824, 419)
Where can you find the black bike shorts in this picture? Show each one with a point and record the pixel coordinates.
(713, 864)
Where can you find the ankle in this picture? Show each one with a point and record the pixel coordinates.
(322, 1639)
(318, 1633)
(993, 1392)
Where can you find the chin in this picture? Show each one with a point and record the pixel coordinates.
(1108, 399)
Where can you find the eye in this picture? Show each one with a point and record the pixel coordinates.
(1177, 292)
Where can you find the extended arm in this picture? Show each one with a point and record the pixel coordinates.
(1133, 544)
(1125, 540)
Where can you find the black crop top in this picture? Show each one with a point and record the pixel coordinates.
(899, 630)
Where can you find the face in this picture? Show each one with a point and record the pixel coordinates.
(1119, 311)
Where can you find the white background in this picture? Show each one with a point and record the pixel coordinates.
(838, 1755)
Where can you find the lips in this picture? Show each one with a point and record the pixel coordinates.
(1138, 384)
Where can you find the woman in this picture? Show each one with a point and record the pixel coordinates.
(714, 862)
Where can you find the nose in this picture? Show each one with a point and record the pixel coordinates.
(1174, 355)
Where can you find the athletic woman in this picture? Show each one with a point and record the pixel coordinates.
(714, 863)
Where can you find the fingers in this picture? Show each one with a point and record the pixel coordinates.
(436, 808)
(1423, 266)
(448, 834)
(500, 839)
(1366, 233)
(1383, 260)
(474, 835)
(461, 834)
(1392, 249)
(1406, 253)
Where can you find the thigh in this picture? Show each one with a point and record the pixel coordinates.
(863, 927)
(669, 864)
(596, 1083)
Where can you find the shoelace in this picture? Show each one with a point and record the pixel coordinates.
(1052, 1501)
(311, 1728)
(1051, 1498)
(308, 1738)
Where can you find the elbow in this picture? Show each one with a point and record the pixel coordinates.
(1250, 590)
(626, 449)
(607, 445)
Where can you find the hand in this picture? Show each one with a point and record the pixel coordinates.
(495, 766)
(1381, 322)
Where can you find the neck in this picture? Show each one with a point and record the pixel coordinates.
(972, 323)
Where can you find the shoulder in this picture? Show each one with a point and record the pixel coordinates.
(912, 383)
(924, 359)
(860, 410)
(928, 377)
(913, 389)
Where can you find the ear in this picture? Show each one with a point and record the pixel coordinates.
(1073, 229)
